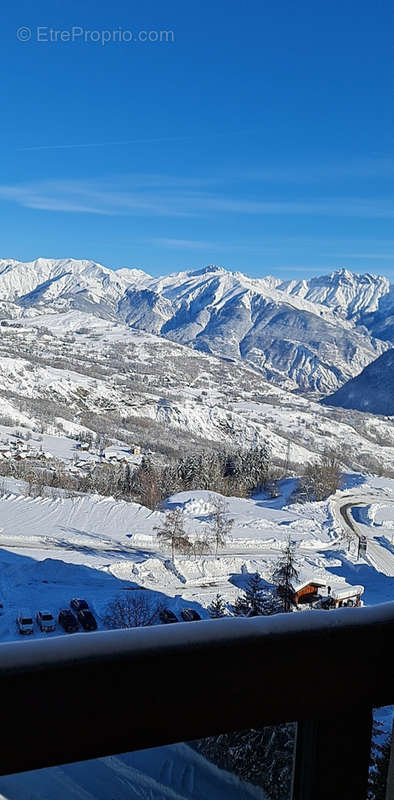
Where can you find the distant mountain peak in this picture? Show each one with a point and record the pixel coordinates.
(342, 273)
(206, 270)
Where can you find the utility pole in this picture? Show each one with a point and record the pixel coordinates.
(362, 546)
(287, 462)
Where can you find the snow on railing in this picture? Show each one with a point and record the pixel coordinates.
(76, 697)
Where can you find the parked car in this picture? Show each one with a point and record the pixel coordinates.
(45, 621)
(166, 616)
(190, 615)
(78, 605)
(67, 621)
(87, 620)
(326, 603)
(24, 621)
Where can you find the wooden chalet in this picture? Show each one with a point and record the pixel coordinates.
(338, 596)
(307, 592)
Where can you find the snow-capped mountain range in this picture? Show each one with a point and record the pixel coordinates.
(306, 335)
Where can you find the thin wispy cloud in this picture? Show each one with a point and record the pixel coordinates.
(125, 142)
(82, 145)
(136, 196)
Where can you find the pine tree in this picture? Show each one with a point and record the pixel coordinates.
(127, 479)
(234, 465)
(256, 464)
(254, 592)
(256, 600)
(262, 756)
(285, 574)
(240, 607)
(379, 763)
(146, 484)
(217, 608)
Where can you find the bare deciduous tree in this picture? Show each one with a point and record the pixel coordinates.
(201, 546)
(221, 523)
(131, 611)
(172, 532)
(321, 479)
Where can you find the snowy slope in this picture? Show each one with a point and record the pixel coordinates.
(65, 372)
(176, 772)
(372, 390)
(54, 548)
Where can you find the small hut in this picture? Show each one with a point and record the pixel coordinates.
(307, 592)
(347, 596)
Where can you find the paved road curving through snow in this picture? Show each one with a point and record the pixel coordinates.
(380, 557)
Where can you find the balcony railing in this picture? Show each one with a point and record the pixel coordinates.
(71, 698)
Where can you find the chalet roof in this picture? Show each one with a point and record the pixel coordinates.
(343, 592)
(301, 584)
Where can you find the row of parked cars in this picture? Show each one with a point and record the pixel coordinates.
(187, 614)
(79, 616)
(69, 621)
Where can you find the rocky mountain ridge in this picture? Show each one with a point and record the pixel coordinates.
(308, 335)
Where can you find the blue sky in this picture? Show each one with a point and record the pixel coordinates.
(261, 138)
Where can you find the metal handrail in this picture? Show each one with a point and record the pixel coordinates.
(75, 697)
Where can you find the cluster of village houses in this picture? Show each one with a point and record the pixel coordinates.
(19, 450)
(86, 460)
(131, 457)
